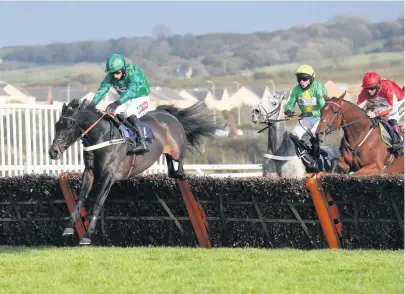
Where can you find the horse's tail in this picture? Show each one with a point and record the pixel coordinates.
(195, 123)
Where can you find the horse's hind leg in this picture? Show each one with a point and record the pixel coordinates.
(87, 183)
(175, 168)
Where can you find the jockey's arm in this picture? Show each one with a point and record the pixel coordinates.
(102, 90)
(361, 100)
(391, 97)
(362, 105)
(291, 102)
(321, 101)
(137, 87)
(383, 113)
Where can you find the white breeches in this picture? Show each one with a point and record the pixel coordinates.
(309, 123)
(138, 106)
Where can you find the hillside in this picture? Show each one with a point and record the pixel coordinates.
(170, 58)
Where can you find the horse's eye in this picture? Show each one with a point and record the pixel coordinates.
(274, 103)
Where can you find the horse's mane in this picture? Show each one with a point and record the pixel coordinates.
(336, 100)
(83, 106)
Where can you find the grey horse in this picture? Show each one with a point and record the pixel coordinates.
(281, 159)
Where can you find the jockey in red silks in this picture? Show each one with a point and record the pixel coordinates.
(383, 98)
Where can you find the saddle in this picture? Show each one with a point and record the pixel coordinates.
(304, 151)
(390, 137)
(127, 130)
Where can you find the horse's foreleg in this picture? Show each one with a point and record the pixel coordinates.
(369, 170)
(87, 183)
(340, 166)
(106, 182)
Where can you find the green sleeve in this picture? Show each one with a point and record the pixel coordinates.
(102, 90)
(321, 100)
(137, 87)
(292, 101)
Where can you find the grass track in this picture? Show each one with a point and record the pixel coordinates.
(189, 270)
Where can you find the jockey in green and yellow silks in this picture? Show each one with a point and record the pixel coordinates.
(309, 96)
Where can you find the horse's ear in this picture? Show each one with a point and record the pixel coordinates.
(63, 107)
(284, 95)
(342, 96)
(325, 96)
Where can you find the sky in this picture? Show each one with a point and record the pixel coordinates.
(34, 23)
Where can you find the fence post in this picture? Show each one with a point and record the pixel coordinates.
(28, 147)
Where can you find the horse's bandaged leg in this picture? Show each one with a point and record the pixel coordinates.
(175, 165)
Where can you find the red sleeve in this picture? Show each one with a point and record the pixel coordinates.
(391, 89)
(362, 97)
(383, 112)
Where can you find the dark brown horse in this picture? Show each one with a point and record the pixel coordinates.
(362, 147)
(107, 160)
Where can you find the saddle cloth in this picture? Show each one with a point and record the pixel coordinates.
(128, 133)
(388, 134)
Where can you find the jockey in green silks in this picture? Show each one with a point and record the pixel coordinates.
(309, 96)
(131, 84)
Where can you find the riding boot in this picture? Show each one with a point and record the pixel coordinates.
(140, 143)
(304, 152)
(398, 144)
(317, 163)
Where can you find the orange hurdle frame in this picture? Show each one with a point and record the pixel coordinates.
(196, 214)
(70, 199)
(321, 203)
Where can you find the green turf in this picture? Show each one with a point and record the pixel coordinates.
(189, 270)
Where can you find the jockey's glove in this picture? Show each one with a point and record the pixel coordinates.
(288, 113)
(112, 106)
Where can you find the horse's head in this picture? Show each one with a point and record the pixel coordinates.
(268, 109)
(331, 115)
(69, 127)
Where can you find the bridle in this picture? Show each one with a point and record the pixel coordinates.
(331, 126)
(267, 119)
(343, 124)
(85, 132)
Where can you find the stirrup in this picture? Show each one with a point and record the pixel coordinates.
(140, 146)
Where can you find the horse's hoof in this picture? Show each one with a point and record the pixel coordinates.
(68, 232)
(85, 241)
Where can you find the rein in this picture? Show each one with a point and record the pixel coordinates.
(269, 123)
(94, 124)
(85, 132)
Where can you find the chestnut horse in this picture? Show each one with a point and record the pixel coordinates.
(362, 147)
